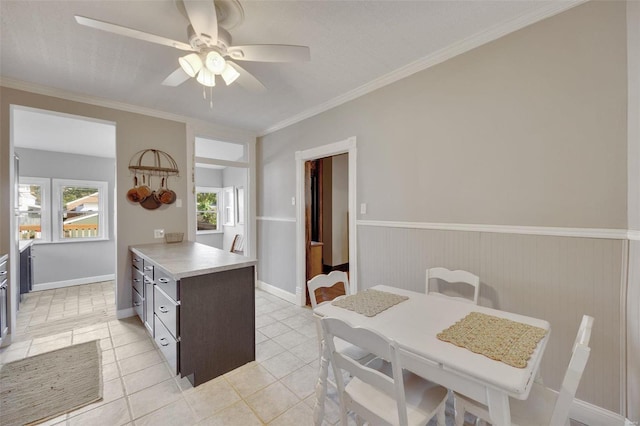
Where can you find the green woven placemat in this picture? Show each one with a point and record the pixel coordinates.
(501, 339)
(369, 302)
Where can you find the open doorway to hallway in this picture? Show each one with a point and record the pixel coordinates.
(327, 218)
(343, 151)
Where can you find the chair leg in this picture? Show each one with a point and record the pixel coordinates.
(459, 412)
(440, 416)
(359, 420)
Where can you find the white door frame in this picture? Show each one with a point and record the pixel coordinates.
(347, 146)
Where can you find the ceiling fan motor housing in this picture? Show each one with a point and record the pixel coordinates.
(202, 41)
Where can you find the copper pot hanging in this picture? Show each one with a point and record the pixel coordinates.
(143, 190)
(132, 194)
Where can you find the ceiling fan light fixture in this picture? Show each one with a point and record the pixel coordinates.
(229, 74)
(191, 64)
(215, 62)
(206, 78)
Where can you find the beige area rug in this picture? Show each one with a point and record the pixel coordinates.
(50, 384)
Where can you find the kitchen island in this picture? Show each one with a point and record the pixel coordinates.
(198, 303)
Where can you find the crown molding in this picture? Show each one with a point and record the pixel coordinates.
(455, 49)
(612, 234)
(121, 106)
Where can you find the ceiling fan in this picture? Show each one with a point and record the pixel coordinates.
(212, 53)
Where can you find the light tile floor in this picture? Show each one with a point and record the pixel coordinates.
(139, 388)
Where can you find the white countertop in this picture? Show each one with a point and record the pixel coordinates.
(189, 259)
(23, 244)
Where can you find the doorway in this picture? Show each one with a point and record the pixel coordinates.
(326, 217)
(304, 209)
(63, 202)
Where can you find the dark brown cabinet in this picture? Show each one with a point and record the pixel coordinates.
(203, 320)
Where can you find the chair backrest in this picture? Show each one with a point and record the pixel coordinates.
(329, 280)
(459, 276)
(379, 346)
(574, 372)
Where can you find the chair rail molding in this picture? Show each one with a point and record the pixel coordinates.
(276, 219)
(613, 234)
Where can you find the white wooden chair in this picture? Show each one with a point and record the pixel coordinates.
(544, 406)
(325, 281)
(434, 275)
(381, 391)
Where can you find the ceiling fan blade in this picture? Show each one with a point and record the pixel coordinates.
(129, 32)
(270, 53)
(176, 78)
(202, 15)
(247, 80)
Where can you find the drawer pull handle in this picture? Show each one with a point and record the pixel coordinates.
(136, 260)
(3, 272)
(136, 303)
(136, 280)
(148, 268)
(163, 280)
(163, 309)
(148, 281)
(164, 342)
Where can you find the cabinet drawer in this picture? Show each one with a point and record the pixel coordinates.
(137, 280)
(136, 261)
(138, 304)
(147, 268)
(167, 344)
(167, 284)
(167, 310)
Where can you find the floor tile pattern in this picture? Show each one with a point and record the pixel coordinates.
(139, 387)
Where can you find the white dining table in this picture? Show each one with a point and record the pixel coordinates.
(414, 325)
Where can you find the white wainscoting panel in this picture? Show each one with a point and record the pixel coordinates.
(551, 277)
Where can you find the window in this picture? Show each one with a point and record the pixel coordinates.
(79, 210)
(33, 209)
(207, 209)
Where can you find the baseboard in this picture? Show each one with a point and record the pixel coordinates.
(70, 283)
(278, 292)
(125, 313)
(590, 414)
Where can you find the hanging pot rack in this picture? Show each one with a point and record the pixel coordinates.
(153, 162)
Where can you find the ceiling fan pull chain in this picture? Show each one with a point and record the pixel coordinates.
(210, 97)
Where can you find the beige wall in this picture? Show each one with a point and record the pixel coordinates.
(529, 130)
(134, 132)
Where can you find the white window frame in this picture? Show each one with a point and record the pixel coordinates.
(57, 217)
(229, 205)
(45, 205)
(218, 191)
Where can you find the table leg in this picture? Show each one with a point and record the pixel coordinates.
(498, 404)
(321, 387)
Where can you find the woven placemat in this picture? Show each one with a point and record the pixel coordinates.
(501, 339)
(369, 302)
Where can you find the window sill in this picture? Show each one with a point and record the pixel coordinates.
(77, 240)
(209, 232)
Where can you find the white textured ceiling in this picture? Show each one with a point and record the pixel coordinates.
(352, 44)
